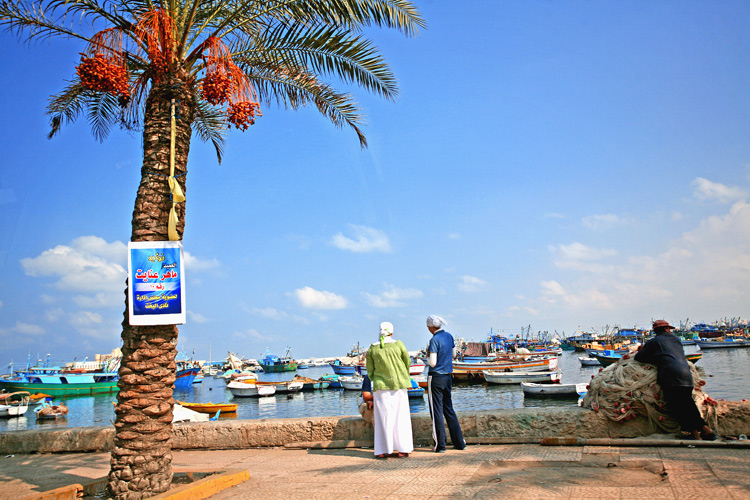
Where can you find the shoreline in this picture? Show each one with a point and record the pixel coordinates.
(525, 424)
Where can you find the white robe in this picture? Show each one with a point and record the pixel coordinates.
(392, 422)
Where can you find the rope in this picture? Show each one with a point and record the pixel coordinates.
(174, 187)
(627, 389)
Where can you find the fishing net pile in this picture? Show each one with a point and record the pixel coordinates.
(628, 389)
(53, 410)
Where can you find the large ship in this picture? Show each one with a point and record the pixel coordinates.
(271, 363)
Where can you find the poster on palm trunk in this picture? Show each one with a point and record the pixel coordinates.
(156, 291)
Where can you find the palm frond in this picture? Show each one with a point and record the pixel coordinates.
(210, 124)
(66, 106)
(300, 89)
(326, 51)
(103, 112)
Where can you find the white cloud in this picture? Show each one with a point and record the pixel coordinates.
(601, 221)
(705, 190)
(365, 239)
(28, 329)
(253, 334)
(269, 312)
(580, 257)
(392, 296)
(469, 283)
(89, 264)
(454, 236)
(704, 274)
(194, 264)
(319, 299)
(197, 318)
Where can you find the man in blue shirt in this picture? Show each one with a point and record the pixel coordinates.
(439, 382)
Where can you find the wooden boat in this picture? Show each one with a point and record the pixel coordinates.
(310, 384)
(274, 364)
(333, 381)
(342, 369)
(56, 382)
(728, 342)
(14, 404)
(49, 411)
(351, 383)
(502, 377)
(589, 361)
(185, 375)
(417, 366)
(563, 390)
(694, 358)
(462, 370)
(248, 390)
(282, 387)
(209, 408)
(415, 391)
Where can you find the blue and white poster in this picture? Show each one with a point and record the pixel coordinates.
(156, 291)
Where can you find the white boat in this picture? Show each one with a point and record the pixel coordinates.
(250, 390)
(417, 367)
(351, 383)
(182, 414)
(728, 342)
(589, 361)
(14, 404)
(282, 387)
(536, 389)
(503, 377)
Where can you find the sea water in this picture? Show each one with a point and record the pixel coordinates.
(725, 372)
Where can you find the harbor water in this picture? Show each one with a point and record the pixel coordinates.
(724, 370)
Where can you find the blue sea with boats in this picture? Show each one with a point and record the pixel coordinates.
(725, 371)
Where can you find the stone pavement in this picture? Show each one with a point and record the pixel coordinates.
(507, 472)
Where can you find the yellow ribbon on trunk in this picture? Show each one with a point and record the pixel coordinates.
(174, 187)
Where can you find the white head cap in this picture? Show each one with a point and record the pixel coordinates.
(436, 321)
(386, 328)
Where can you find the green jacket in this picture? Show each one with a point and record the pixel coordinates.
(388, 366)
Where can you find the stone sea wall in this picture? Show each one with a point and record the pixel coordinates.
(490, 426)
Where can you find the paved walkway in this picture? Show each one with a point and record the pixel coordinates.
(507, 472)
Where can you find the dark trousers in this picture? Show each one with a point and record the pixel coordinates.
(441, 406)
(681, 407)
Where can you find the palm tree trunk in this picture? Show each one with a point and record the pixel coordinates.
(141, 464)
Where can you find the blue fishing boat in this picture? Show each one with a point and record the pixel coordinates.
(342, 369)
(64, 381)
(333, 381)
(415, 391)
(185, 374)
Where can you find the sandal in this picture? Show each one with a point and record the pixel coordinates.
(403, 455)
(382, 456)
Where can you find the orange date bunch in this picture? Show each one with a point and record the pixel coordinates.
(217, 87)
(103, 75)
(242, 114)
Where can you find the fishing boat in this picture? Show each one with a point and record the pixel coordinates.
(333, 381)
(199, 377)
(340, 368)
(463, 370)
(250, 390)
(274, 364)
(210, 408)
(282, 387)
(415, 391)
(310, 384)
(502, 377)
(417, 366)
(561, 390)
(185, 374)
(49, 411)
(589, 361)
(726, 343)
(351, 383)
(55, 381)
(694, 358)
(14, 404)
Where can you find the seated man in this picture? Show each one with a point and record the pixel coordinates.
(365, 408)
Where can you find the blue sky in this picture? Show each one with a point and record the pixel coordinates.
(553, 164)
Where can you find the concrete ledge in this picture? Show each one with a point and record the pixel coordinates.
(523, 423)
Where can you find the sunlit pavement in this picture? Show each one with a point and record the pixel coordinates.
(480, 471)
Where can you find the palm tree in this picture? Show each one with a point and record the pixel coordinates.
(211, 63)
